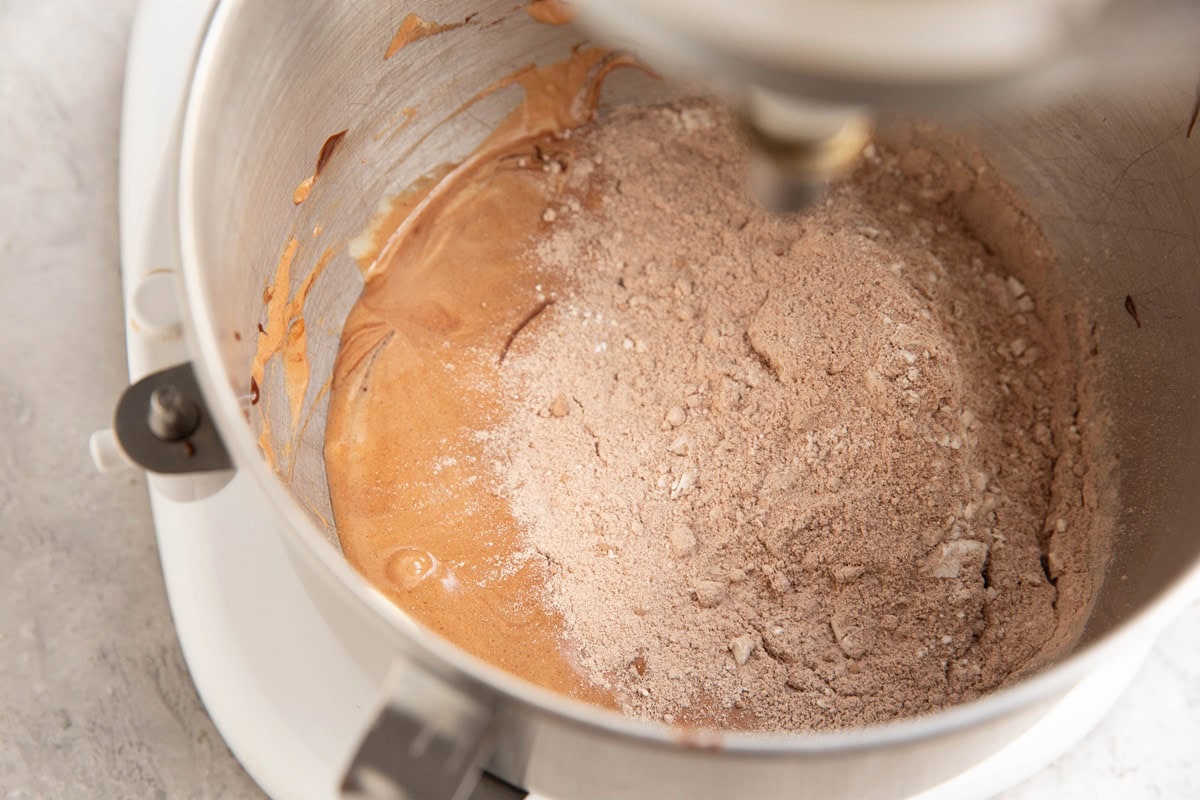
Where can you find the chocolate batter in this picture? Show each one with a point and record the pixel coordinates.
(417, 376)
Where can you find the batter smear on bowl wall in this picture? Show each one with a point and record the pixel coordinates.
(601, 420)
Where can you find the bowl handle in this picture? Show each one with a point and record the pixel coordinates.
(429, 740)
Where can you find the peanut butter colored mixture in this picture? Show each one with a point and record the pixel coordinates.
(418, 374)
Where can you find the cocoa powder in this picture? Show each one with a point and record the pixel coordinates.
(796, 472)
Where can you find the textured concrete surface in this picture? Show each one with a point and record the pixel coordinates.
(95, 701)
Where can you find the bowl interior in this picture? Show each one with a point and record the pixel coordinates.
(1112, 178)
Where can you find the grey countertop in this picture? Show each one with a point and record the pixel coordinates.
(95, 700)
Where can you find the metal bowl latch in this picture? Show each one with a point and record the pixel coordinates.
(162, 424)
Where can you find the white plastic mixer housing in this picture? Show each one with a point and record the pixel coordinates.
(291, 703)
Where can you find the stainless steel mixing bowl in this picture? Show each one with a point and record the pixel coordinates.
(1115, 182)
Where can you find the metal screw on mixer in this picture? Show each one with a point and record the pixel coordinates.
(172, 416)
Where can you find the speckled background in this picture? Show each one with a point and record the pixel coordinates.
(95, 700)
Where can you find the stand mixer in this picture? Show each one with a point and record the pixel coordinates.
(240, 152)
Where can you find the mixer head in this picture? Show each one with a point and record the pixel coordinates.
(810, 74)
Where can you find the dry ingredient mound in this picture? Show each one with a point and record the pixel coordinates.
(794, 472)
